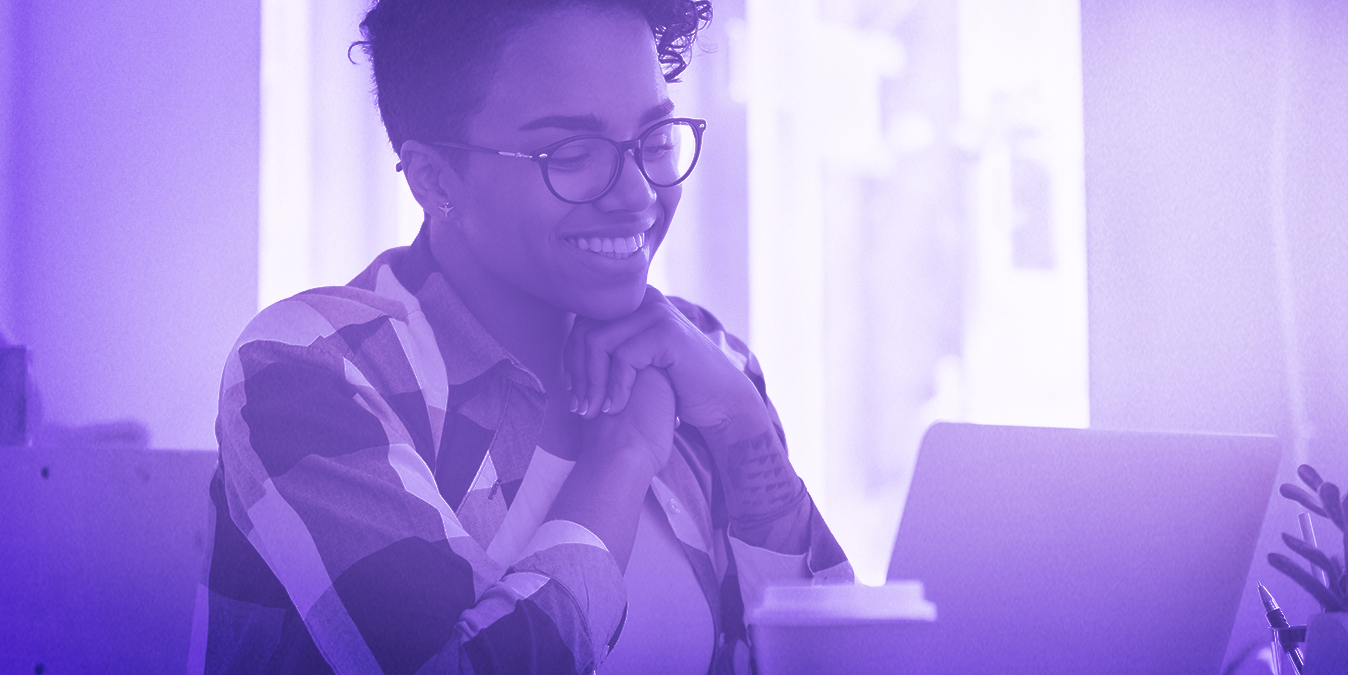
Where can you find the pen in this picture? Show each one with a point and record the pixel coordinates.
(1308, 536)
(1276, 619)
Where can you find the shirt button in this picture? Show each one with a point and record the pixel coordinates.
(674, 504)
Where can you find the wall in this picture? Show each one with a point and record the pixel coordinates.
(132, 223)
(7, 49)
(1215, 156)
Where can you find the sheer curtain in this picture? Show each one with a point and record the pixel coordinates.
(916, 233)
(329, 197)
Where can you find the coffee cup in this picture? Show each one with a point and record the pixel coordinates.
(842, 629)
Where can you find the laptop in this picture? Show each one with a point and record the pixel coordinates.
(101, 550)
(1055, 551)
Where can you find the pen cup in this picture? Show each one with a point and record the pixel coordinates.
(842, 629)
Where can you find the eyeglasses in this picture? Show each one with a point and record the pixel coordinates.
(582, 169)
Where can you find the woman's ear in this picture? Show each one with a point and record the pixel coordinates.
(433, 181)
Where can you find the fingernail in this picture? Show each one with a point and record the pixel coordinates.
(574, 404)
(584, 408)
(608, 403)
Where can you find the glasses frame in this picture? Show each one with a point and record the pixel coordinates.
(544, 154)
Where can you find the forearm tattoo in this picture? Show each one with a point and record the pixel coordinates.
(761, 483)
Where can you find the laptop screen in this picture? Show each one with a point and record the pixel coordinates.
(1081, 551)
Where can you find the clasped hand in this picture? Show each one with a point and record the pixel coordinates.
(625, 375)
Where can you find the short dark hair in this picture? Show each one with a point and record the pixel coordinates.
(433, 59)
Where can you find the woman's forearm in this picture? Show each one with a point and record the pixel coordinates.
(767, 502)
(603, 494)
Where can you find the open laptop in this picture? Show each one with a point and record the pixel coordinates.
(101, 550)
(1055, 551)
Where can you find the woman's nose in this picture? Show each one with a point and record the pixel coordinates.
(632, 192)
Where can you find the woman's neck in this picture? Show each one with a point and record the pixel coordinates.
(531, 330)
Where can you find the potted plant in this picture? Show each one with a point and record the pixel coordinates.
(1326, 634)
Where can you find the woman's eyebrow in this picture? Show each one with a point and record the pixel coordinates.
(662, 109)
(586, 122)
(591, 123)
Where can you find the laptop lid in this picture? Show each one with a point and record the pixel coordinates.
(1080, 551)
(101, 551)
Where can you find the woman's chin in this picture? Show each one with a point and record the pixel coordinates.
(611, 304)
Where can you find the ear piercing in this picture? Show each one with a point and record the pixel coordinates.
(446, 208)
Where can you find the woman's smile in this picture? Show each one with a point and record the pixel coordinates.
(620, 247)
(616, 254)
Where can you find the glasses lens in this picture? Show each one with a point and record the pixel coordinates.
(582, 169)
(668, 152)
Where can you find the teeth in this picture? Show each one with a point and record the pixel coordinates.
(609, 247)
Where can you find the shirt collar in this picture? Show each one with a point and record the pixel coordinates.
(469, 350)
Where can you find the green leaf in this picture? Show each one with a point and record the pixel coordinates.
(1309, 477)
(1329, 496)
(1338, 579)
(1342, 575)
(1330, 601)
(1337, 572)
(1312, 555)
(1301, 497)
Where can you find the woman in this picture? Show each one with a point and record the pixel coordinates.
(498, 449)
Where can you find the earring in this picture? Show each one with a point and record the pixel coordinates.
(446, 208)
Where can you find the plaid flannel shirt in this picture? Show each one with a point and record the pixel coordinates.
(373, 438)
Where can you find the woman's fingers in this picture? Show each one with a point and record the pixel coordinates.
(645, 426)
(621, 376)
(573, 362)
(595, 373)
(588, 355)
(643, 350)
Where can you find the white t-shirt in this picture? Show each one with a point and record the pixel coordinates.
(668, 620)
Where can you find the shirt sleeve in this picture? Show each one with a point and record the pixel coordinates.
(760, 568)
(323, 478)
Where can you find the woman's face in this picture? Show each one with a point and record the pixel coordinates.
(573, 72)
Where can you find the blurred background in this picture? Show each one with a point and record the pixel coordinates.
(1111, 213)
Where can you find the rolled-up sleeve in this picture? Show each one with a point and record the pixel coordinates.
(322, 477)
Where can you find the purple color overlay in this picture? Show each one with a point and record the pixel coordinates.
(128, 258)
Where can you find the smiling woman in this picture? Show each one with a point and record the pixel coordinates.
(500, 449)
(581, 71)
